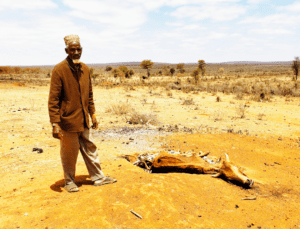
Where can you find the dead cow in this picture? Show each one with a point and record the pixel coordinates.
(164, 162)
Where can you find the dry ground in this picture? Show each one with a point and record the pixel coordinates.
(32, 195)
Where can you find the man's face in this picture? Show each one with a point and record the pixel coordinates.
(74, 51)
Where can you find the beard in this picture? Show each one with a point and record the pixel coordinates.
(76, 61)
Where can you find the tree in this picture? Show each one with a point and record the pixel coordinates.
(201, 66)
(124, 69)
(195, 74)
(130, 73)
(295, 66)
(108, 68)
(221, 70)
(117, 72)
(172, 71)
(93, 75)
(17, 70)
(180, 67)
(147, 64)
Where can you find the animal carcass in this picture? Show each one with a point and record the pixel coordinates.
(164, 162)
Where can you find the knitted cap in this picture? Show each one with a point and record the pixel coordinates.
(71, 38)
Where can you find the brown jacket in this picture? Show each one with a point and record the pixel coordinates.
(71, 96)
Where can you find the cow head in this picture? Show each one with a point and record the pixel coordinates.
(233, 173)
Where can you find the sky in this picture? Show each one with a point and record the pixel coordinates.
(167, 31)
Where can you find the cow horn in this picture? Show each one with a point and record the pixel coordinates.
(216, 175)
(227, 157)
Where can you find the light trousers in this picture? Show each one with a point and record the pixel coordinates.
(70, 144)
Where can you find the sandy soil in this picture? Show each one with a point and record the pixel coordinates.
(32, 194)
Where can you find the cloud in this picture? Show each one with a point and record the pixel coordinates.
(256, 1)
(175, 23)
(271, 31)
(27, 5)
(275, 19)
(295, 7)
(211, 11)
(121, 14)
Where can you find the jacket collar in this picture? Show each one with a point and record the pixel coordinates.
(73, 67)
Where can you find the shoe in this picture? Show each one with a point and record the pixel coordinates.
(72, 187)
(105, 180)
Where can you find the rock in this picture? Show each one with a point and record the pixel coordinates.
(39, 150)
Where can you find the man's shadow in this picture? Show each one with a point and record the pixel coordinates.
(79, 180)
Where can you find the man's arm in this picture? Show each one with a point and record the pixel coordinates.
(91, 99)
(54, 97)
(54, 104)
(92, 106)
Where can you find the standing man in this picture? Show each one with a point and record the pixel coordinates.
(70, 103)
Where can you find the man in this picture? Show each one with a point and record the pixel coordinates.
(70, 103)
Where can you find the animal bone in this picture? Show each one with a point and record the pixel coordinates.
(191, 163)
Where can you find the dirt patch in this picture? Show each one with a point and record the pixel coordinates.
(32, 195)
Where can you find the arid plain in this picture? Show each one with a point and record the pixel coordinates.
(262, 136)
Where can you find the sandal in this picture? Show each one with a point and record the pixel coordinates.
(72, 187)
(105, 180)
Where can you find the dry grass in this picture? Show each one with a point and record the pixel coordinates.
(119, 108)
(260, 116)
(241, 110)
(188, 101)
(136, 117)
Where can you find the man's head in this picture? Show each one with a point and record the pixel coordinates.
(73, 48)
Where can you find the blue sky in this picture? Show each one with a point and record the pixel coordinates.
(172, 31)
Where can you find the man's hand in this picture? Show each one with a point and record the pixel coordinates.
(94, 121)
(57, 132)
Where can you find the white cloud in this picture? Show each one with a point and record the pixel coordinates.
(295, 7)
(26, 5)
(271, 31)
(175, 23)
(214, 12)
(256, 1)
(154, 4)
(275, 19)
(116, 13)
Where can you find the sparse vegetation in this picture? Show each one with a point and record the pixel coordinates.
(119, 108)
(136, 117)
(147, 64)
(201, 66)
(241, 110)
(296, 66)
(188, 101)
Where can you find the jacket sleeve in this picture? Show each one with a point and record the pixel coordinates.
(54, 97)
(91, 99)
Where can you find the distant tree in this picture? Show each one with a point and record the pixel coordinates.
(180, 67)
(17, 69)
(93, 75)
(195, 74)
(172, 71)
(117, 72)
(295, 66)
(160, 72)
(201, 66)
(130, 73)
(123, 68)
(108, 68)
(147, 64)
(221, 70)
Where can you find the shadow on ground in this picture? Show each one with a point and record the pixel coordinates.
(79, 180)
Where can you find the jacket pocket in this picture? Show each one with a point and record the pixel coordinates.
(65, 108)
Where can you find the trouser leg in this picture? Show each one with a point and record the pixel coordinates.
(69, 147)
(89, 153)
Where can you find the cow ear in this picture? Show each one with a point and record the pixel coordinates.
(227, 157)
(216, 175)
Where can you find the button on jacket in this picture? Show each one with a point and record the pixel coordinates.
(71, 96)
